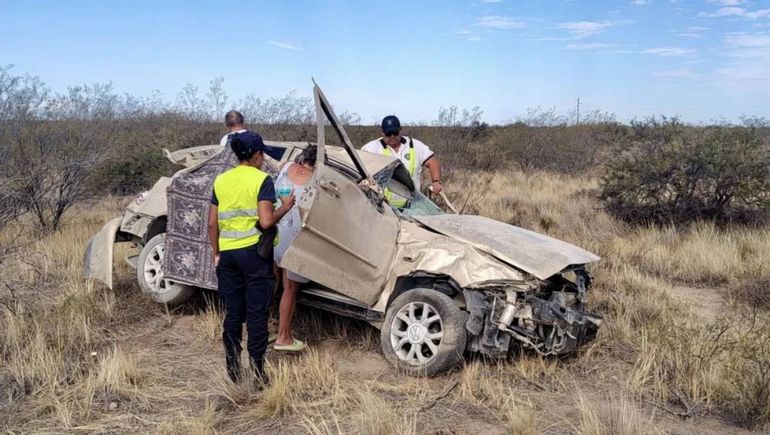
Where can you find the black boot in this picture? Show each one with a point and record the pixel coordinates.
(260, 376)
(233, 368)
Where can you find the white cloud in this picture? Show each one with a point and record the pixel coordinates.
(582, 29)
(284, 45)
(668, 51)
(728, 2)
(640, 2)
(693, 32)
(501, 22)
(588, 46)
(678, 73)
(762, 13)
(728, 11)
(748, 61)
(491, 1)
(468, 35)
(750, 47)
(735, 11)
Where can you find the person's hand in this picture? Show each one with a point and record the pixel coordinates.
(216, 259)
(436, 187)
(288, 201)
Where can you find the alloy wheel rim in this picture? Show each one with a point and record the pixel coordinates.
(416, 333)
(153, 271)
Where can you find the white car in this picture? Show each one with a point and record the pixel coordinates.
(437, 285)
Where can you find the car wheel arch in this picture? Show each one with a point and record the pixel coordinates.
(438, 282)
(157, 226)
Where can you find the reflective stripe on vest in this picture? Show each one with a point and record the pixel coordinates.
(238, 234)
(237, 191)
(236, 213)
(400, 203)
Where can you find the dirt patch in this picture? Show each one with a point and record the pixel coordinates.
(706, 302)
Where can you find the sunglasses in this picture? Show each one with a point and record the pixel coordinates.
(392, 133)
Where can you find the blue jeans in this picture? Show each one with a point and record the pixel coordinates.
(246, 287)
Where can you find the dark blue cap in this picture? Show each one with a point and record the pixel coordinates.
(391, 124)
(247, 143)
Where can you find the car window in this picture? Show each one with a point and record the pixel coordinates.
(420, 205)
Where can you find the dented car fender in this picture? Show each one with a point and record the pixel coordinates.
(98, 256)
(421, 250)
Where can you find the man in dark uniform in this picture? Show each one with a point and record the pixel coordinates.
(241, 204)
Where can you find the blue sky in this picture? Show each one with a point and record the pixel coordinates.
(700, 59)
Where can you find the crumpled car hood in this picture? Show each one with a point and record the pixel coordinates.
(534, 253)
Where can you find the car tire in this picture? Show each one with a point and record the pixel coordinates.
(149, 273)
(424, 332)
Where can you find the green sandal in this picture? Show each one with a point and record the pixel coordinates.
(295, 346)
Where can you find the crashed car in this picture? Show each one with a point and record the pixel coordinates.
(435, 284)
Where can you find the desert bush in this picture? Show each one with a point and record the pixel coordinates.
(752, 293)
(671, 175)
(743, 387)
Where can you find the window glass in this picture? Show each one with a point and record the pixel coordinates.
(421, 206)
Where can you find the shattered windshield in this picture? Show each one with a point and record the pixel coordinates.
(420, 205)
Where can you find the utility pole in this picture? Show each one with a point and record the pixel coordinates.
(577, 121)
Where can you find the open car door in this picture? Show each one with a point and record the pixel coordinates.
(346, 242)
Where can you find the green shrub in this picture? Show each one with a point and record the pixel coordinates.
(671, 174)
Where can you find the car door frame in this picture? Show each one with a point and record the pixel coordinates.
(356, 264)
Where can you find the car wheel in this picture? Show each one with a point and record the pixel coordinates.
(423, 332)
(149, 273)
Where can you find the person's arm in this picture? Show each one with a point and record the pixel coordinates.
(213, 231)
(269, 216)
(434, 168)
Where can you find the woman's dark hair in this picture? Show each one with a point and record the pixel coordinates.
(308, 155)
(241, 149)
(246, 144)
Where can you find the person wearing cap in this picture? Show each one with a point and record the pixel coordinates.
(241, 205)
(413, 154)
(234, 124)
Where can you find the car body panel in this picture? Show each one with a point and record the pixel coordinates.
(422, 250)
(193, 156)
(98, 255)
(344, 244)
(346, 241)
(145, 208)
(534, 253)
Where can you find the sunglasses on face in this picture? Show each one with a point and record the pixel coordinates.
(391, 134)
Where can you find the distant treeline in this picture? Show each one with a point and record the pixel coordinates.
(58, 149)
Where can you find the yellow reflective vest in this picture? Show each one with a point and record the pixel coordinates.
(237, 192)
(400, 203)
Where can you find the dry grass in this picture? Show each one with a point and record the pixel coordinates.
(208, 324)
(77, 357)
(520, 418)
(618, 417)
(377, 416)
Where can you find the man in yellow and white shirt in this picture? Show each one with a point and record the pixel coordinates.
(413, 153)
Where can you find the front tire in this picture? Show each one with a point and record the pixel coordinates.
(149, 273)
(423, 332)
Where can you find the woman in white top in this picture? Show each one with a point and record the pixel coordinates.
(294, 175)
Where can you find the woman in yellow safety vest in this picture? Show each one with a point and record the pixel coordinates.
(241, 205)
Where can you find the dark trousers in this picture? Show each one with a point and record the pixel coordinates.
(246, 288)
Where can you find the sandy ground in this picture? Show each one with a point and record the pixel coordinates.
(182, 360)
(174, 357)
